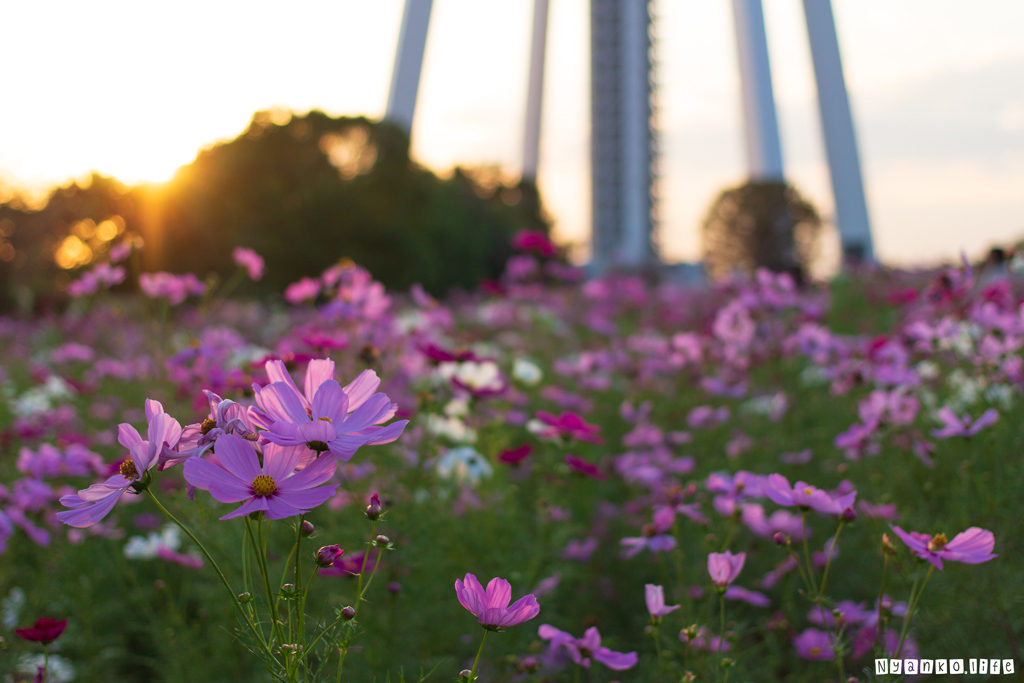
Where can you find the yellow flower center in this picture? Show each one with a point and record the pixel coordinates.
(938, 542)
(815, 650)
(128, 470)
(807, 491)
(264, 485)
(207, 425)
(325, 419)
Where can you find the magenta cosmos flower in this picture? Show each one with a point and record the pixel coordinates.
(90, 505)
(325, 416)
(804, 495)
(655, 597)
(725, 567)
(275, 487)
(45, 630)
(569, 425)
(972, 546)
(582, 650)
(491, 606)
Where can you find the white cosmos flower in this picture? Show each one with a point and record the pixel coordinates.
(527, 372)
(464, 464)
(452, 428)
(146, 547)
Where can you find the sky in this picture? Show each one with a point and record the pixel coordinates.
(134, 90)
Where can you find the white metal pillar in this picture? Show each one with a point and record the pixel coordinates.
(636, 246)
(840, 139)
(535, 91)
(621, 135)
(405, 78)
(760, 124)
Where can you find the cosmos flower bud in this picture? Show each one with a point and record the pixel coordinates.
(244, 597)
(780, 538)
(348, 613)
(466, 676)
(394, 588)
(307, 528)
(328, 555)
(382, 540)
(528, 665)
(374, 509)
(887, 546)
(849, 515)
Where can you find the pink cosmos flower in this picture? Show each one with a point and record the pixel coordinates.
(225, 417)
(655, 597)
(491, 606)
(962, 426)
(305, 289)
(582, 650)
(814, 645)
(273, 486)
(656, 535)
(972, 546)
(324, 416)
(250, 260)
(725, 567)
(755, 598)
(804, 495)
(174, 288)
(103, 275)
(90, 505)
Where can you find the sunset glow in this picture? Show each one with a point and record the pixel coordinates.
(107, 88)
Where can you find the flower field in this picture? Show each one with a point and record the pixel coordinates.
(555, 479)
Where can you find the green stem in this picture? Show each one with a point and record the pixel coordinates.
(223, 579)
(828, 560)
(879, 626)
(657, 651)
(807, 553)
(46, 662)
(360, 590)
(800, 567)
(298, 579)
(362, 567)
(912, 609)
(472, 672)
(373, 573)
(261, 563)
(732, 530)
(721, 622)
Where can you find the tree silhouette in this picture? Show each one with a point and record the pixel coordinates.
(760, 225)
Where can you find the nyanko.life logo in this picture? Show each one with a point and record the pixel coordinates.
(940, 667)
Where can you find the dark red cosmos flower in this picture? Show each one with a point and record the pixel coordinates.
(45, 630)
(514, 456)
(441, 355)
(585, 468)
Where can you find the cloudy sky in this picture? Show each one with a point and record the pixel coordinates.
(135, 89)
